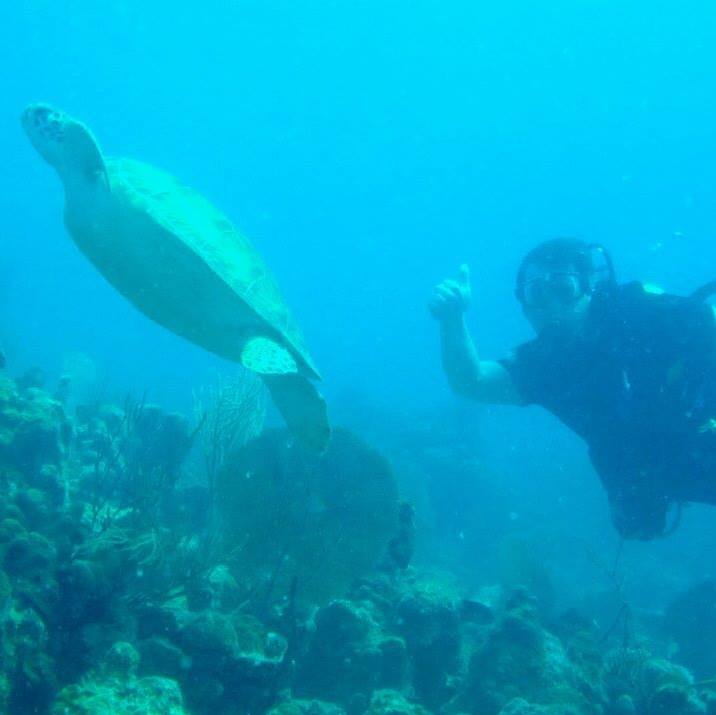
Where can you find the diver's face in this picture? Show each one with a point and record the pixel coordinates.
(554, 297)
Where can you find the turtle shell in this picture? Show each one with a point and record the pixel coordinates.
(171, 230)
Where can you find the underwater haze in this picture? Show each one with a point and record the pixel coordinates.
(367, 148)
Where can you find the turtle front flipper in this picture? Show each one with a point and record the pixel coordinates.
(302, 407)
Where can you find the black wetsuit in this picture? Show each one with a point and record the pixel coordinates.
(638, 384)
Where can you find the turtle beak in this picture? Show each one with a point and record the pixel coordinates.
(33, 114)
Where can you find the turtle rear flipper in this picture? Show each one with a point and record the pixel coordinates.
(298, 401)
(302, 407)
(266, 357)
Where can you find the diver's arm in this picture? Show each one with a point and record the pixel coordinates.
(481, 380)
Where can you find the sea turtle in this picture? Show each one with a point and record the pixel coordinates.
(182, 263)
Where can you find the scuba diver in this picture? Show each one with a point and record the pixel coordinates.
(630, 369)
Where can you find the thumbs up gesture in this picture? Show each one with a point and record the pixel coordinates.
(451, 298)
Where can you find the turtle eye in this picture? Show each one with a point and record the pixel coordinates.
(41, 116)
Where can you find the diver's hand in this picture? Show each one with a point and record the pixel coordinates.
(451, 298)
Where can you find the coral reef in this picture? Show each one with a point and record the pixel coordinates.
(519, 658)
(319, 520)
(694, 637)
(123, 590)
(114, 687)
(349, 655)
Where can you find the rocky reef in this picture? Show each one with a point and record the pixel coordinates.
(273, 582)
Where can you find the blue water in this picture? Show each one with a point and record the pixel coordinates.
(368, 148)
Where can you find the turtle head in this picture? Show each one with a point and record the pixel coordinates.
(63, 142)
